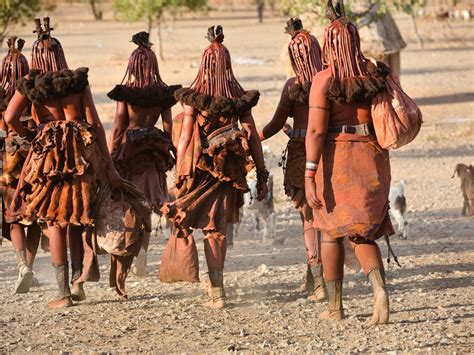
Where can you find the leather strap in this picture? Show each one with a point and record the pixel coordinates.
(361, 129)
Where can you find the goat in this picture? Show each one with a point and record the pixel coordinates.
(466, 174)
(398, 208)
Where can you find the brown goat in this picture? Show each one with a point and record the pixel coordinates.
(466, 173)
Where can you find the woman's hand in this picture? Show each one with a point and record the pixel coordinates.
(114, 177)
(262, 190)
(310, 190)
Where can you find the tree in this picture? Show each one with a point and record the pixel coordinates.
(95, 10)
(360, 12)
(153, 12)
(15, 11)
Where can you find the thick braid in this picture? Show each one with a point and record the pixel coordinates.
(304, 52)
(47, 55)
(215, 76)
(341, 51)
(142, 69)
(14, 66)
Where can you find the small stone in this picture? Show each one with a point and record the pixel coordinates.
(263, 270)
(265, 344)
(243, 333)
(231, 347)
(302, 301)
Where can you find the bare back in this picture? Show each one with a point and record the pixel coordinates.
(143, 117)
(68, 108)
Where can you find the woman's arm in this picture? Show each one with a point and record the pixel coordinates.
(167, 120)
(93, 119)
(282, 113)
(248, 125)
(121, 123)
(318, 121)
(185, 135)
(15, 108)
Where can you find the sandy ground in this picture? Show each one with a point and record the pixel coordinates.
(431, 295)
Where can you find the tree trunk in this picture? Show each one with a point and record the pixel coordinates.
(97, 13)
(160, 39)
(415, 28)
(149, 24)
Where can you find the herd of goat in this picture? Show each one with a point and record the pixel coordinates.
(262, 214)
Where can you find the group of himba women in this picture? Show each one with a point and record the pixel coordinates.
(336, 173)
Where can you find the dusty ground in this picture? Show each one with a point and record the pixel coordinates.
(431, 295)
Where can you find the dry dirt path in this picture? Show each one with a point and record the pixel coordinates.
(431, 295)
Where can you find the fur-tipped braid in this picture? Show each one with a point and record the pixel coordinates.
(4, 100)
(39, 87)
(218, 105)
(358, 88)
(300, 93)
(148, 96)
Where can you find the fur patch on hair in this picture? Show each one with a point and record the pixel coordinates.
(359, 88)
(148, 96)
(39, 87)
(218, 105)
(300, 93)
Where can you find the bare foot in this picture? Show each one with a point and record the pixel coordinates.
(332, 315)
(60, 303)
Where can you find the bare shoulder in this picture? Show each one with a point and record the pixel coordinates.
(322, 77)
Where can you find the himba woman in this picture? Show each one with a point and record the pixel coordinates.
(143, 153)
(15, 67)
(305, 57)
(60, 175)
(213, 159)
(347, 178)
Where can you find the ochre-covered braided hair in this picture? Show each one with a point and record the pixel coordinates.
(215, 76)
(142, 69)
(47, 53)
(353, 77)
(304, 51)
(14, 66)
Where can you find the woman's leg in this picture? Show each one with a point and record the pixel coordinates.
(215, 249)
(139, 268)
(32, 243)
(122, 265)
(332, 255)
(76, 250)
(313, 250)
(25, 274)
(369, 256)
(58, 247)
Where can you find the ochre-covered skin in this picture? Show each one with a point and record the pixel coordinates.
(349, 193)
(215, 137)
(305, 57)
(143, 153)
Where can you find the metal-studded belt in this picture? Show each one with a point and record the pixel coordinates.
(297, 133)
(361, 129)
